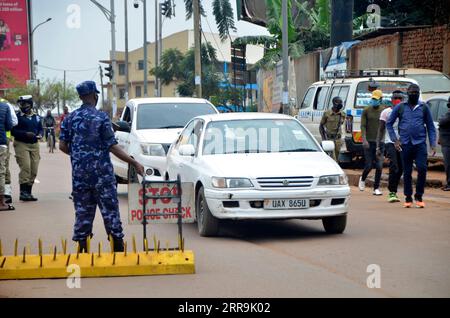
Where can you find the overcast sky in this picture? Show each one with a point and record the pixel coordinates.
(63, 44)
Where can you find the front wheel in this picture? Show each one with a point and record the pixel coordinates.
(207, 224)
(335, 224)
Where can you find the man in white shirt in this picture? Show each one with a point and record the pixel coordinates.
(394, 156)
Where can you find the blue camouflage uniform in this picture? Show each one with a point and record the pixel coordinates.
(89, 135)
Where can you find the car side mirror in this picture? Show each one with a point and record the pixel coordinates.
(122, 126)
(328, 146)
(186, 150)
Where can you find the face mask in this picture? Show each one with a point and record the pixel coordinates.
(25, 109)
(338, 107)
(375, 103)
(413, 99)
(395, 102)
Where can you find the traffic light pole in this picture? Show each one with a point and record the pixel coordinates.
(103, 91)
(285, 49)
(157, 16)
(160, 47)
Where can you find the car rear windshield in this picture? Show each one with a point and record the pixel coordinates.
(432, 83)
(170, 115)
(363, 96)
(257, 136)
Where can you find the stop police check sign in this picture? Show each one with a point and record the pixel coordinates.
(158, 206)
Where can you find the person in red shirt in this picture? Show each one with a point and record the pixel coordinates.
(64, 115)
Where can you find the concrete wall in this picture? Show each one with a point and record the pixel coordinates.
(306, 72)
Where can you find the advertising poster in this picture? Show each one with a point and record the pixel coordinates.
(14, 43)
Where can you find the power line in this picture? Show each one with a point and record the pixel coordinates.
(70, 71)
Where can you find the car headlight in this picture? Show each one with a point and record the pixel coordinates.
(333, 180)
(231, 183)
(154, 150)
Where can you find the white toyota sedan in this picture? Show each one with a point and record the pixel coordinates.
(258, 166)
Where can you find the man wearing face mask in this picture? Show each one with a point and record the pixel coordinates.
(394, 156)
(87, 136)
(415, 121)
(330, 125)
(27, 134)
(444, 140)
(370, 122)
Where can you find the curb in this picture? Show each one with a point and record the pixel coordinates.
(353, 180)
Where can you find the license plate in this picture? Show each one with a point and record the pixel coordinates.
(286, 204)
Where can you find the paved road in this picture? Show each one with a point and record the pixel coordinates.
(255, 259)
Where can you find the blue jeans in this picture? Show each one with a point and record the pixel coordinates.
(418, 154)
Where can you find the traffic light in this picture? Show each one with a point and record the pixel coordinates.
(167, 8)
(109, 72)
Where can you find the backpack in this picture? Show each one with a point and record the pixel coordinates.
(402, 110)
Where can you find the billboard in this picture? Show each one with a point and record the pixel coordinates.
(14, 43)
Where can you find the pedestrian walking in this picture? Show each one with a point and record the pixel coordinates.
(394, 156)
(27, 135)
(444, 141)
(370, 122)
(87, 136)
(415, 121)
(331, 125)
(49, 125)
(8, 188)
(5, 125)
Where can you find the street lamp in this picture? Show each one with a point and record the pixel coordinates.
(32, 46)
(136, 5)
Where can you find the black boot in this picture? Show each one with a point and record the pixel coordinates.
(83, 246)
(118, 245)
(29, 189)
(8, 199)
(24, 196)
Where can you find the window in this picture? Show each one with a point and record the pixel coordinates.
(319, 103)
(363, 96)
(127, 115)
(434, 108)
(140, 65)
(307, 100)
(443, 109)
(121, 69)
(184, 137)
(122, 93)
(339, 91)
(138, 91)
(432, 83)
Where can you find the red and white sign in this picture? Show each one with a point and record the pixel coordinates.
(158, 206)
(14, 43)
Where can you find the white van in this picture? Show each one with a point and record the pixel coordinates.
(353, 88)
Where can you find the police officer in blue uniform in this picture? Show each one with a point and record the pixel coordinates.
(87, 136)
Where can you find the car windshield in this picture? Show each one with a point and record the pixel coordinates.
(257, 136)
(170, 115)
(363, 95)
(432, 83)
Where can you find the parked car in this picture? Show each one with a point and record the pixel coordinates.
(432, 83)
(149, 126)
(353, 88)
(258, 166)
(438, 108)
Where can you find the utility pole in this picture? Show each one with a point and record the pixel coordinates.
(198, 44)
(114, 60)
(160, 47)
(145, 51)
(157, 17)
(64, 94)
(103, 92)
(285, 48)
(127, 73)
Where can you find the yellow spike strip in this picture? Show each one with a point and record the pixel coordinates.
(54, 253)
(1, 249)
(16, 246)
(24, 254)
(64, 245)
(146, 246)
(40, 247)
(88, 244)
(92, 260)
(134, 244)
(68, 259)
(111, 243)
(99, 249)
(125, 248)
(3, 262)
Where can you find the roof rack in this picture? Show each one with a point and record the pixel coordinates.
(378, 72)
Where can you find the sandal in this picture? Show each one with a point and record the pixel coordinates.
(9, 208)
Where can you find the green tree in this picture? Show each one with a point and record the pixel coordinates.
(180, 68)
